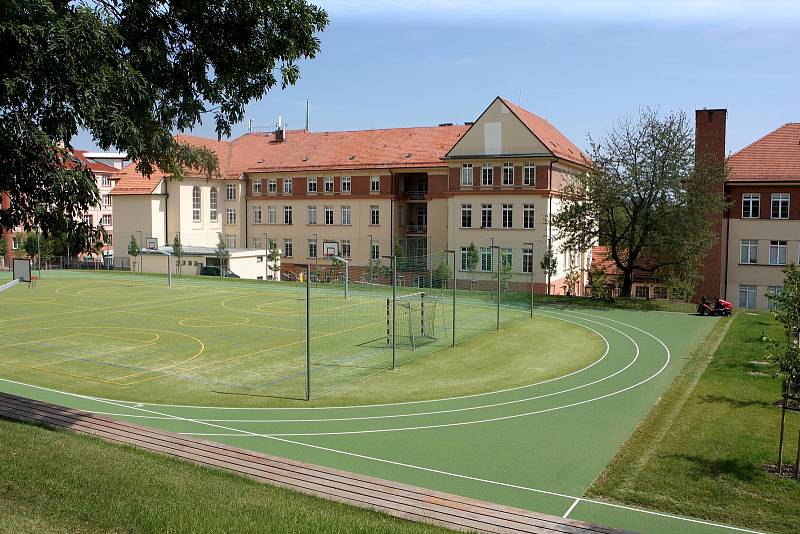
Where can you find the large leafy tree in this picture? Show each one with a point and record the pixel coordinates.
(131, 72)
(646, 198)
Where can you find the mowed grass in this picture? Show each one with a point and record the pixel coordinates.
(217, 342)
(56, 481)
(702, 449)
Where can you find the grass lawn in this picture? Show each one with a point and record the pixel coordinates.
(701, 450)
(55, 481)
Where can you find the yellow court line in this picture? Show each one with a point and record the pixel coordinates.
(256, 352)
(105, 353)
(241, 324)
(62, 336)
(202, 348)
(14, 364)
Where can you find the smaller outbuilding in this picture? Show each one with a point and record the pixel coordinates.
(243, 263)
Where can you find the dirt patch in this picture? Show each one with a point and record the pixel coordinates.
(772, 469)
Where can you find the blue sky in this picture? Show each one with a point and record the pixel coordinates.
(581, 64)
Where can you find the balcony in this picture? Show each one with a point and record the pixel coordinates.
(416, 195)
(417, 229)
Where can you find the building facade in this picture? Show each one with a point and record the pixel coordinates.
(495, 181)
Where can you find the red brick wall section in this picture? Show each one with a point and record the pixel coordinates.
(542, 176)
(437, 184)
(455, 178)
(710, 150)
(360, 185)
(735, 192)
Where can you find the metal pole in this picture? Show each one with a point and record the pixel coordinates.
(454, 298)
(266, 257)
(531, 249)
(498, 282)
(797, 459)
(394, 308)
(141, 271)
(780, 443)
(169, 269)
(308, 332)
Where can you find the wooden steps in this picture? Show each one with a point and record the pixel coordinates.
(399, 500)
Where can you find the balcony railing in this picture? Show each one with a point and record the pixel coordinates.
(416, 195)
(417, 229)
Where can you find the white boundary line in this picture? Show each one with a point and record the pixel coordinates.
(571, 508)
(409, 466)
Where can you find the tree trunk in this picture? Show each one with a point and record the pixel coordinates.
(627, 284)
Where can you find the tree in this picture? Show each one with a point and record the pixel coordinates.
(598, 285)
(3, 246)
(274, 257)
(177, 251)
(222, 253)
(131, 72)
(787, 352)
(549, 264)
(571, 280)
(133, 250)
(31, 244)
(444, 273)
(506, 272)
(472, 261)
(644, 196)
(399, 256)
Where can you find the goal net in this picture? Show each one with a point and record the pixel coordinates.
(416, 320)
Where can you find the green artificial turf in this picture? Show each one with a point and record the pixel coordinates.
(56, 481)
(701, 452)
(224, 343)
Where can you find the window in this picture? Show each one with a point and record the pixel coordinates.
(312, 248)
(486, 259)
(287, 248)
(257, 242)
(272, 185)
(749, 251)
(375, 253)
(287, 185)
(487, 177)
(747, 296)
(751, 205)
(777, 252)
(642, 292)
(464, 258)
(106, 181)
(195, 203)
(272, 216)
(14, 243)
(466, 215)
(230, 241)
(110, 240)
(287, 215)
(312, 185)
(329, 184)
(375, 184)
(212, 205)
(772, 292)
(345, 184)
(508, 216)
(529, 174)
(345, 248)
(780, 205)
(312, 215)
(527, 260)
(106, 220)
(257, 215)
(508, 174)
(89, 220)
(374, 215)
(486, 215)
(230, 191)
(507, 257)
(230, 216)
(345, 214)
(660, 292)
(466, 175)
(328, 214)
(401, 215)
(257, 186)
(527, 216)
(106, 200)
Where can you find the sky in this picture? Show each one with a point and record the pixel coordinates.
(582, 64)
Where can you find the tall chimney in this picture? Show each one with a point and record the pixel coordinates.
(280, 132)
(709, 150)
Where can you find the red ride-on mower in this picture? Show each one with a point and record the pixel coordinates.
(718, 307)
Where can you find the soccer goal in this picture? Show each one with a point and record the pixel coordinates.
(415, 322)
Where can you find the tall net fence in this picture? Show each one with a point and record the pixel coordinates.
(360, 320)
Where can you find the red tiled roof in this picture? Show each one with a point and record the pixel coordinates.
(601, 261)
(776, 156)
(94, 165)
(131, 182)
(361, 149)
(554, 140)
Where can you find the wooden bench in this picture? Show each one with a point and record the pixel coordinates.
(400, 500)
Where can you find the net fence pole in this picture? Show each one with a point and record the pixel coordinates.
(499, 260)
(531, 269)
(308, 332)
(394, 310)
(454, 298)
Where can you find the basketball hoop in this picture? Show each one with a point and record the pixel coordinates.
(330, 249)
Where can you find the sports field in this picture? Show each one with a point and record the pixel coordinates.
(528, 416)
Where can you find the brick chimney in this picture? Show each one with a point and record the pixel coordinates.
(709, 149)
